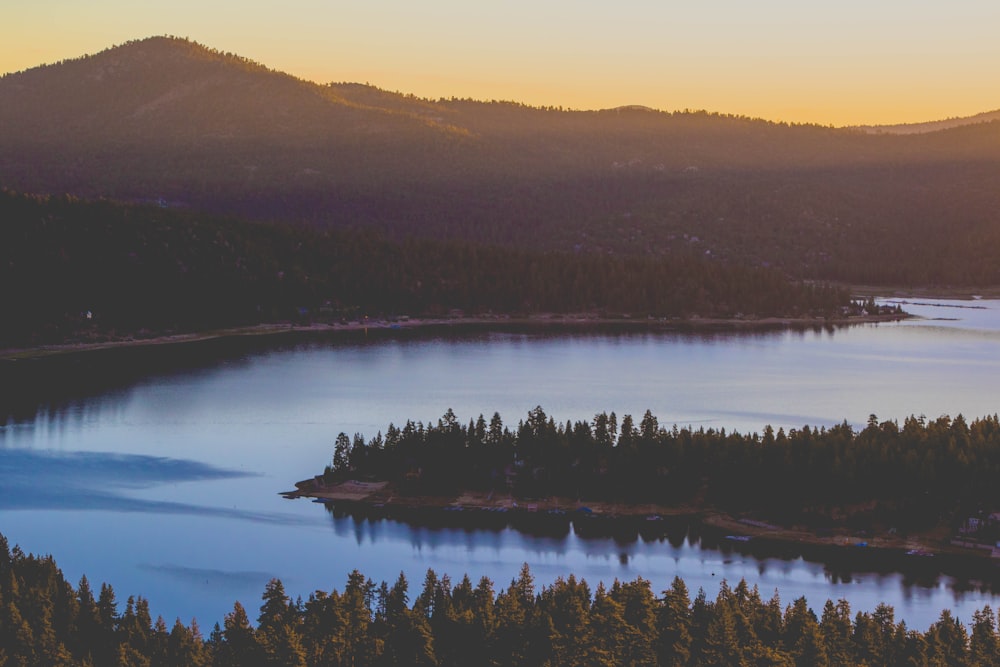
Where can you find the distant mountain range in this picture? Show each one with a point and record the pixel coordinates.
(932, 126)
(170, 121)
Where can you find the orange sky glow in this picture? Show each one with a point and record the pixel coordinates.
(841, 63)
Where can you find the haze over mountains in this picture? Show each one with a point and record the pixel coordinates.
(168, 120)
(933, 125)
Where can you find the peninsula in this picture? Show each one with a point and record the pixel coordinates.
(873, 488)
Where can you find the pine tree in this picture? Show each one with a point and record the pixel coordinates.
(984, 646)
(277, 628)
(610, 633)
(721, 646)
(239, 641)
(514, 619)
(836, 627)
(185, 647)
(802, 637)
(673, 625)
(640, 613)
(947, 641)
(16, 638)
(566, 603)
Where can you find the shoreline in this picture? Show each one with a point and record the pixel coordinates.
(923, 554)
(574, 321)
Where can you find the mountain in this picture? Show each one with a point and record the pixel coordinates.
(932, 126)
(169, 91)
(171, 121)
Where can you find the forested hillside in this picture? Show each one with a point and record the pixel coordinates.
(75, 269)
(169, 120)
(44, 620)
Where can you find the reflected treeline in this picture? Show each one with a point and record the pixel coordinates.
(59, 387)
(555, 524)
(56, 386)
(842, 563)
(46, 620)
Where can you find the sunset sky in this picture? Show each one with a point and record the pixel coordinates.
(842, 63)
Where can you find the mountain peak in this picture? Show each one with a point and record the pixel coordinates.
(148, 51)
(163, 49)
(170, 89)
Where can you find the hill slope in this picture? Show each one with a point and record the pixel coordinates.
(169, 120)
(167, 91)
(74, 269)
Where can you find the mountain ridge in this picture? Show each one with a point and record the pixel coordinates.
(183, 46)
(166, 119)
(932, 125)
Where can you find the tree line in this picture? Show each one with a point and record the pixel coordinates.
(72, 268)
(885, 475)
(44, 620)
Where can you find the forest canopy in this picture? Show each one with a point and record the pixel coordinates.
(46, 620)
(69, 266)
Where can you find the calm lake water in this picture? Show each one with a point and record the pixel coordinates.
(166, 484)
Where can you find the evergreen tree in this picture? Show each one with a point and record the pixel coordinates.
(721, 645)
(984, 646)
(16, 638)
(185, 647)
(947, 641)
(803, 638)
(836, 627)
(239, 641)
(565, 608)
(611, 635)
(639, 608)
(515, 620)
(277, 628)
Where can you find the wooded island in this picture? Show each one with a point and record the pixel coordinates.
(922, 485)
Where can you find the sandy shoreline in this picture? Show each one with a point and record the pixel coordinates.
(541, 321)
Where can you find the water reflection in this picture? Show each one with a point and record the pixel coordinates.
(60, 389)
(203, 437)
(80, 471)
(224, 580)
(680, 541)
(97, 481)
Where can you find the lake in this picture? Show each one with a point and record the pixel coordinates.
(163, 479)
